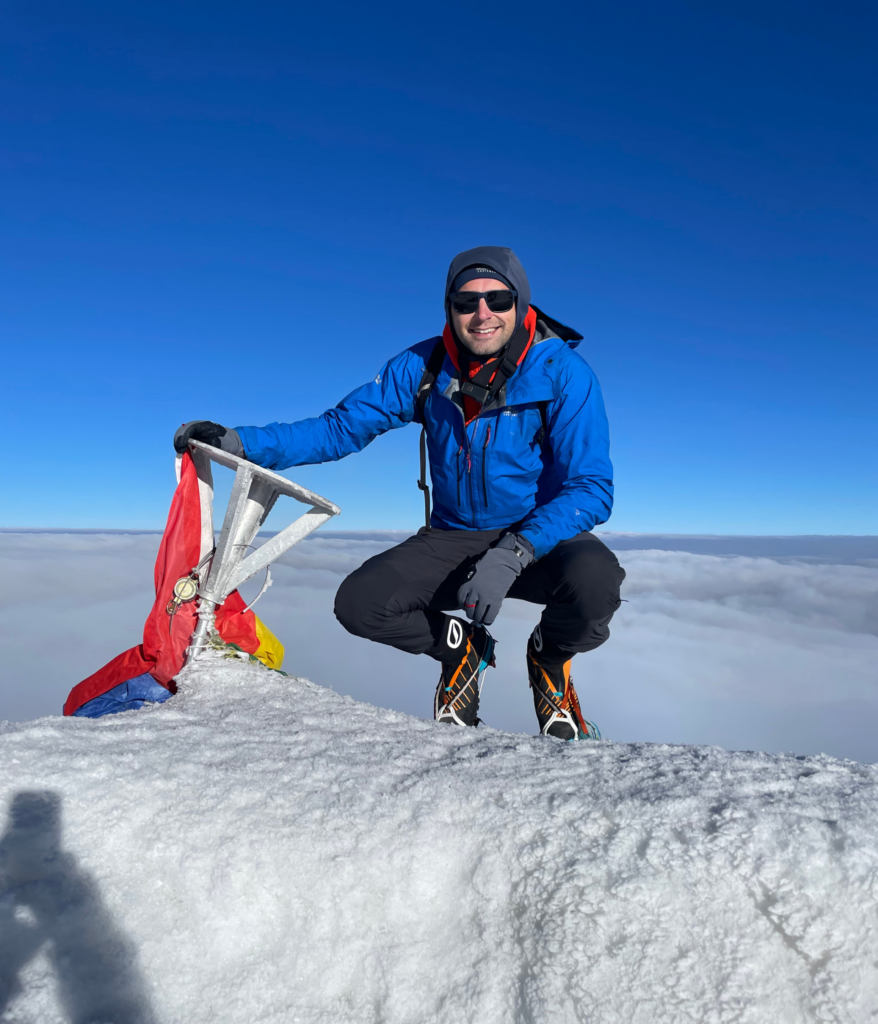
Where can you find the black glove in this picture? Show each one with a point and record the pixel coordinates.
(492, 576)
(210, 433)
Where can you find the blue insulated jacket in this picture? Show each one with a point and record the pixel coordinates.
(496, 472)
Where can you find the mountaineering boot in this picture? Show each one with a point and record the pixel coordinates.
(469, 652)
(555, 700)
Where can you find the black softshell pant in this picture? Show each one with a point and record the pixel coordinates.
(398, 597)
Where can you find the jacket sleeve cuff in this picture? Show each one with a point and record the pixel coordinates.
(529, 544)
(249, 443)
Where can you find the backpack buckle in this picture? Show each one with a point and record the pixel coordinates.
(475, 391)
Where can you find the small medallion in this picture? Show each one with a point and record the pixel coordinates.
(185, 590)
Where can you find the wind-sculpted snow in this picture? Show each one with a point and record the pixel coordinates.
(263, 849)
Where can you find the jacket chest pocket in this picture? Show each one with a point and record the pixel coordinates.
(513, 450)
(521, 427)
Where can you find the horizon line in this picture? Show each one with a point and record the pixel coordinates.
(125, 531)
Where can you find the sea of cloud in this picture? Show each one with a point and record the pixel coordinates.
(746, 651)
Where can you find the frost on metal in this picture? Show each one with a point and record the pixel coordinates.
(254, 494)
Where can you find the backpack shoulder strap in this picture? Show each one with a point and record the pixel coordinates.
(431, 372)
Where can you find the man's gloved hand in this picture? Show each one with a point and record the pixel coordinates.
(210, 433)
(492, 576)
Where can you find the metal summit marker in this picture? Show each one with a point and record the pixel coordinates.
(253, 496)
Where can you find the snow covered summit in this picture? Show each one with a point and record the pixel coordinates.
(262, 849)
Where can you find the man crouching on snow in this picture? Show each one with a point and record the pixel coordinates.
(519, 459)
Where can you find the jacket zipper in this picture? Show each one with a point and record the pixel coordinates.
(469, 473)
(485, 464)
(459, 474)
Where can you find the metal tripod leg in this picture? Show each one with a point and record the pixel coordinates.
(254, 494)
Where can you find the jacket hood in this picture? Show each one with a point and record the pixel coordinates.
(498, 258)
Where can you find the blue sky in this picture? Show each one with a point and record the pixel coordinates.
(240, 211)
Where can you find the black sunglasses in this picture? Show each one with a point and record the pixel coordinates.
(498, 302)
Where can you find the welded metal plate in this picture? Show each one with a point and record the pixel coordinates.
(278, 482)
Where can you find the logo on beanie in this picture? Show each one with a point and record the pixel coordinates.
(455, 634)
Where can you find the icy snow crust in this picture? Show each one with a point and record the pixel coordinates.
(261, 849)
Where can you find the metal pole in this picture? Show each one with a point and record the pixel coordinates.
(254, 493)
(206, 620)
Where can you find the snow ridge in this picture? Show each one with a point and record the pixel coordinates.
(263, 849)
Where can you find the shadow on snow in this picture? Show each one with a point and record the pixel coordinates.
(48, 902)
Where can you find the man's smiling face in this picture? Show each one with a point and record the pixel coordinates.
(484, 333)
